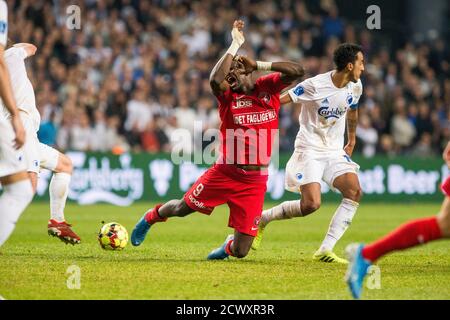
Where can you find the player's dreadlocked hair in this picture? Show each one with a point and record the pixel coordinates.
(344, 54)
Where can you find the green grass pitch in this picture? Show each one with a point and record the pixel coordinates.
(171, 263)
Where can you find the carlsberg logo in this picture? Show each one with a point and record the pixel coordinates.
(326, 112)
(95, 181)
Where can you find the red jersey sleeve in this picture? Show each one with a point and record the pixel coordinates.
(271, 83)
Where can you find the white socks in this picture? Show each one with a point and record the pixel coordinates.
(285, 210)
(59, 189)
(13, 201)
(340, 222)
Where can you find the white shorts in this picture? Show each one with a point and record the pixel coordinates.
(37, 155)
(48, 156)
(306, 167)
(11, 160)
(30, 148)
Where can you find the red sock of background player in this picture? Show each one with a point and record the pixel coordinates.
(152, 215)
(408, 235)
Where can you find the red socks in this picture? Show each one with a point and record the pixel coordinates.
(407, 235)
(152, 216)
(228, 247)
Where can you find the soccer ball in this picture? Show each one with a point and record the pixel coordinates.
(113, 236)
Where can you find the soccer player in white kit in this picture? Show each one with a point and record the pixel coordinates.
(329, 100)
(38, 155)
(17, 191)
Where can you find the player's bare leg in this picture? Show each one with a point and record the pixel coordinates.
(348, 185)
(237, 245)
(59, 189)
(309, 203)
(17, 194)
(175, 208)
(160, 213)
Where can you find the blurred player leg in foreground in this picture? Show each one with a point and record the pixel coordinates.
(38, 155)
(408, 235)
(17, 192)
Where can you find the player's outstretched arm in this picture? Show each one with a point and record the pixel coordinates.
(222, 67)
(352, 123)
(30, 49)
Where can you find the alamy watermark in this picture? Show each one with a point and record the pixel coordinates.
(374, 20)
(73, 19)
(373, 278)
(73, 281)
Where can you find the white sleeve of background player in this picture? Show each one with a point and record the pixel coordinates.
(3, 23)
(357, 93)
(18, 53)
(303, 92)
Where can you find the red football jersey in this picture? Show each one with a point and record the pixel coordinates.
(250, 122)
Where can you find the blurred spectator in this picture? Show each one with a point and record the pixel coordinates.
(47, 132)
(81, 134)
(403, 131)
(368, 135)
(387, 146)
(423, 148)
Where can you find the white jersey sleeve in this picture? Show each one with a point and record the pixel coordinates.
(3, 23)
(16, 56)
(356, 94)
(303, 92)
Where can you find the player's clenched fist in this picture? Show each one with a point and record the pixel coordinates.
(237, 34)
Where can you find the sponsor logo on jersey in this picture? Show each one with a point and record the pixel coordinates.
(329, 112)
(299, 90)
(256, 223)
(349, 99)
(255, 117)
(242, 103)
(197, 203)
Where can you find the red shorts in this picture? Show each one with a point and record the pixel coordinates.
(242, 190)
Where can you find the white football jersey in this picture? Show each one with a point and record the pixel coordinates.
(3, 23)
(323, 114)
(22, 88)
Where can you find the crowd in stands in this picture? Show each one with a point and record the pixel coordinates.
(137, 70)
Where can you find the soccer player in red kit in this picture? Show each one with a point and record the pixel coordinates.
(249, 115)
(408, 235)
